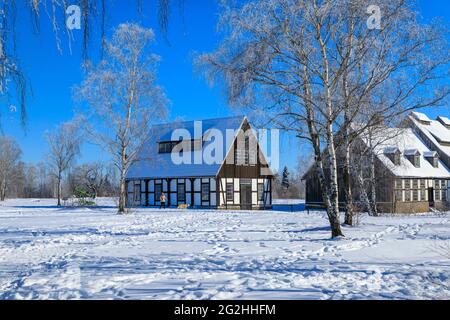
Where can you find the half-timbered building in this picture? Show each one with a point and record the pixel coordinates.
(409, 176)
(215, 163)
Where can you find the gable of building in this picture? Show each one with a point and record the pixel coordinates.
(245, 157)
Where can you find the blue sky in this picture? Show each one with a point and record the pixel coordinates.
(53, 75)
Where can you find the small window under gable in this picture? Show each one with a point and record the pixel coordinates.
(413, 155)
(432, 157)
(230, 192)
(246, 149)
(393, 153)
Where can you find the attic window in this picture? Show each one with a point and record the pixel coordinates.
(246, 151)
(413, 155)
(188, 145)
(393, 153)
(432, 157)
(167, 146)
(193, 144)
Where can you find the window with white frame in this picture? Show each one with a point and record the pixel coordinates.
(205, 191)
(158, 191)
(260, 192)
(398, 195)
(408, 195)
(230, 192)
(181, 192)
(137, 191)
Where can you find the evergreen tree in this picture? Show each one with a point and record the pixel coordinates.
(285, 181)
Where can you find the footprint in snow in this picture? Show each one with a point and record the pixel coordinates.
(262, 245)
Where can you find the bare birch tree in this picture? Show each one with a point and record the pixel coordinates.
(313, 65)
(124, 98)
(64, 147)
(276, 51)
(9, 157)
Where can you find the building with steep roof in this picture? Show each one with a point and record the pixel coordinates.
(410, 176)
(215, 163)
(434, 133)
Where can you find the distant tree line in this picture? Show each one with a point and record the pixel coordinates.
(19, 179)
(50, 179)
(288, 185)
(123, 99)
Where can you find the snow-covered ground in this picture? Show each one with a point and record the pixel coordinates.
(92, 253)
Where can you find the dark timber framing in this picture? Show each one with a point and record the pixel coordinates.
(255, 179)
(395, 193)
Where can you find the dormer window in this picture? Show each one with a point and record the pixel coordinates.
(394, 154)
(187, 145)
(417, 161)
(413, 155)
(436, 162)
(432, 157)
(167, 146)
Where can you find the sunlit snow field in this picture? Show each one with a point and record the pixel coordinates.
(93, 253)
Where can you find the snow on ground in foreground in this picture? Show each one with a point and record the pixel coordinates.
(92, 253)
(288, 201)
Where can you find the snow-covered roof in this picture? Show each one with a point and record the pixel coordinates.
(411, 152)
(160, 165)
(438, 134)
(444, 120)
(430, 154)
(408, 143)
(391, 150)
(420, 116)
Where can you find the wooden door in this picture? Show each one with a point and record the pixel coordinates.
(246, 197)
(431, 196)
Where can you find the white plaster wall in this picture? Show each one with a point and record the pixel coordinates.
(188, 185)
(213, 199)
(151, 186)
(197, 200)
(173, 185)
(197, 185)
(188, 198)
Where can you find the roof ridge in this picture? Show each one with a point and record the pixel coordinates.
(208, 119)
